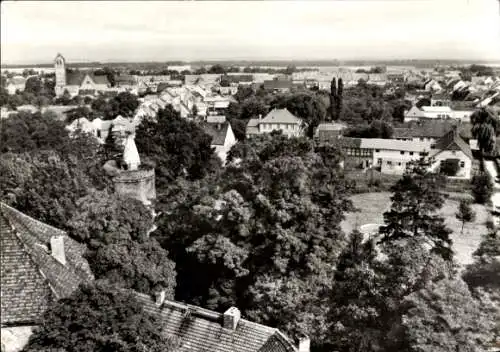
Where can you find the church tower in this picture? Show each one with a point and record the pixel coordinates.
(60, 68)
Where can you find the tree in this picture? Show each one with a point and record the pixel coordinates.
(25, 131)
(217, 68)
(100, 318)
(176, 146)
(484, 272)
(265, 230)
(108, 218)
(416, 198)
(482, 187)
(116, 231)
(141, 266)
(459, 321)
(465, 213)
(340, 92)
(484, 127)
(333, 99)
(450, 167)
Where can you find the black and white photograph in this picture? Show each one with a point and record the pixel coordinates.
(250, 176)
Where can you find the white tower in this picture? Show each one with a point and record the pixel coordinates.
(130, 154)
(60, 68)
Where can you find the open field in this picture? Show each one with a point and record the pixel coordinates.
(373, 205)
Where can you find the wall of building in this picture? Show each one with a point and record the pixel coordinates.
(287, 128)
(464, 172)
(394, 155)
(137, 184)
(15, 338)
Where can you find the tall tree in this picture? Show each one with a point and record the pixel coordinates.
(482, 187)
(484, 127)
(416, 198)
(100, 318)
(339, 100)
(333, 99)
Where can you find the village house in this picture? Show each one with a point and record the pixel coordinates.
(276, 120)
(390, 155)
(121, 127)
(14, 84)
(425, 130)
(39, 265)
(202, 330)
(278, 85)
(437, 112)
(378, 79)
(431, 85)
(223, 138)
(452, 147)
(329, 131)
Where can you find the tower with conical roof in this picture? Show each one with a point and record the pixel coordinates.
(130, 154)
(132, 181)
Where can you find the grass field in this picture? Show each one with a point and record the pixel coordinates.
(373, 205)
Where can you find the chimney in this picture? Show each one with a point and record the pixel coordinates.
(160, 297)
(304, 344)
(231, 318)
(57, 249)
(260, 116)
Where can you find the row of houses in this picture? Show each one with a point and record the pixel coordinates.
(390, 155)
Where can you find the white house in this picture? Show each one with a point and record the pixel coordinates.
(437, 112)
(452, 147)
(392, 155)
(222, 135)
(276, 120)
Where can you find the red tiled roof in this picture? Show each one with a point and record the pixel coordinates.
(201, 330)
(31, 277)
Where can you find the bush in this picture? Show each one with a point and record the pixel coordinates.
(482, 188)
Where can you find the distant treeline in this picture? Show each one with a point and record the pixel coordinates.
(283, 63)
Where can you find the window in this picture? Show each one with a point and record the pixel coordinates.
(402, 153)
(422, 139)
(98, 133)
(389, 163)
(379, 161)
(462, 164)
(377, 150)
(411, 153)
(399, 164)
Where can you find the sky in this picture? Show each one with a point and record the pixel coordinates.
(34, 32)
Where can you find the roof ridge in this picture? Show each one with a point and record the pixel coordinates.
(23, 215)
(198, 311)
(29, 252)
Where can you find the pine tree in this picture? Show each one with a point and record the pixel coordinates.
(415, 201)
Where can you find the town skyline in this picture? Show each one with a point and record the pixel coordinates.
(270, 30)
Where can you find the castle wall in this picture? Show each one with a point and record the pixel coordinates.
(137, 184)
